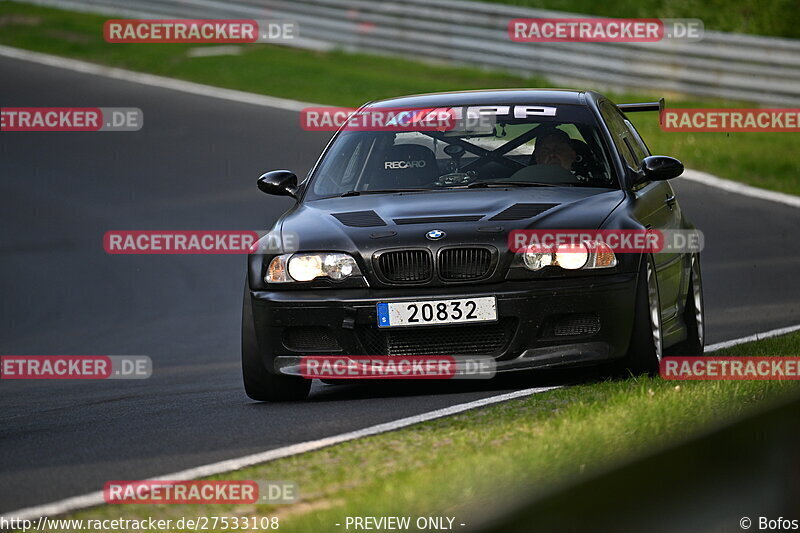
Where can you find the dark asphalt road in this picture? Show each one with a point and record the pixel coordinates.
(193, 166)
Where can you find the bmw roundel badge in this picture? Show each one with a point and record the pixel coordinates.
(435, 234)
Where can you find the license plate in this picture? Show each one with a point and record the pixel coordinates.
(432, 312)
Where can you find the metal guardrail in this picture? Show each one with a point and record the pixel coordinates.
(758, 69)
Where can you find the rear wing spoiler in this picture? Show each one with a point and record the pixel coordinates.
(645, 106)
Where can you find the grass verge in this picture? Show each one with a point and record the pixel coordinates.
(462, 465)
(765, 160)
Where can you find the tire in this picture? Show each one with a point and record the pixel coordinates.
(259, 384)
(693, 316)
(646, 348)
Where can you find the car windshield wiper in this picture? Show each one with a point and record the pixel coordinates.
(378, 191)
(479, 184)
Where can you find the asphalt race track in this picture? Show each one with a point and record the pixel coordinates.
(194, 166)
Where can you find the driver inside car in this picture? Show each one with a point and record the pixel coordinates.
(554, 149)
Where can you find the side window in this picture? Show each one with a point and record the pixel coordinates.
(640, 149)
(623, 138)
(352, 171)
(344, 170)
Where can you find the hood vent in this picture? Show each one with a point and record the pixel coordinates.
(359, 219)
(438, 220)
(521, 211)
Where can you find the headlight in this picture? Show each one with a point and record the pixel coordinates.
(306, 267)
(276, 271)
(587, 255)
(601, 256)
(537, 257)
(571, 256)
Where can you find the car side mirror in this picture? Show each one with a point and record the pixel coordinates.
(279, 183)
(659, 168)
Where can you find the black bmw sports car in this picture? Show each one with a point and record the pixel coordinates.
(404, 244)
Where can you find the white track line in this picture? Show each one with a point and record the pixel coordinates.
(152, 80)
(96, 498)
(93, 499)
(163, 82)
(750, 338)
(740, 188)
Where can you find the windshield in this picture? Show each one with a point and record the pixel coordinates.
(564, 149)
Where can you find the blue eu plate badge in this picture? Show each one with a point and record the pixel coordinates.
(383, 315)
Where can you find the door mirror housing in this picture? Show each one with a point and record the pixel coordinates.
(279, 183)
(659, 168)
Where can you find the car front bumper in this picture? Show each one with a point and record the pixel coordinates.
(541, 323)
